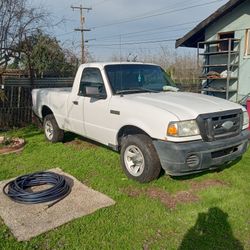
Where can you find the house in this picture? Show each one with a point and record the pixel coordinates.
(223, 44)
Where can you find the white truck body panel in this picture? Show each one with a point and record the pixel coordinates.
(151, 112)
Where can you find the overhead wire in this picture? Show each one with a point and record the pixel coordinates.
(135, 43)
(147, 30)
(144, 32)
(100, 3)
(154, 15)
(152, 34)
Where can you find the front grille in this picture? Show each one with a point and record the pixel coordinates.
(220, 125)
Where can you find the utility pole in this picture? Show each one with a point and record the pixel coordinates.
(81, 29)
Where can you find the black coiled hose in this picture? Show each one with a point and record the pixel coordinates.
(19, 189)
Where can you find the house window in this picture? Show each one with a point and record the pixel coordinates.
(224, 45)
(247, 43)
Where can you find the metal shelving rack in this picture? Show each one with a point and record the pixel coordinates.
(231, 63)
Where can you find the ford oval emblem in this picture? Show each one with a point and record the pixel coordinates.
(227, 125)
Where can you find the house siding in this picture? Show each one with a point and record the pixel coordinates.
(238, 21)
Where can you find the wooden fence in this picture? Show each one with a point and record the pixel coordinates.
(16, 108)
(16, 105)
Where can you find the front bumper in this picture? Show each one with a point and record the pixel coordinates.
(174, 156)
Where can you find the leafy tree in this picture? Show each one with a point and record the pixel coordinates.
(43, 56)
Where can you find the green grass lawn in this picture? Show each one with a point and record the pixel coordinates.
(205, 211)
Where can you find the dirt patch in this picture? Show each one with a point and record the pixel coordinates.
(181, 197)
(80, 145)
(196, 186)
(169, 200)
(165, 198)
(133, 192)
(185, 197)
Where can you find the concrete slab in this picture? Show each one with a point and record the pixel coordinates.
(27, 221)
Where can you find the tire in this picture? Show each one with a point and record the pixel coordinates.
(139, 149)
(51, 130)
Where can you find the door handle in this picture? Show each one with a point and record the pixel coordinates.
(75, 102)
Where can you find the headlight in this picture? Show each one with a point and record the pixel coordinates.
(245, 119)
(183, 128)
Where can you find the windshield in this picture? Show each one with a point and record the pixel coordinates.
(134, 78)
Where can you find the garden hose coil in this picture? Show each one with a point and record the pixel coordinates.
(19, 190)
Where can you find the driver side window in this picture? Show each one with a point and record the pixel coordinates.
(91, 77)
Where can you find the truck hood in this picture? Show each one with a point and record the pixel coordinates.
(184, 106)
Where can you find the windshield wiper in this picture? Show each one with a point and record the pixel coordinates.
(124, 91)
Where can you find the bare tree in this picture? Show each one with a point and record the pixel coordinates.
(17, 20)
(182, 67)
(118, 58)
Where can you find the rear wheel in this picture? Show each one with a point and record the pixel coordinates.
(139, 158)
(51, 130)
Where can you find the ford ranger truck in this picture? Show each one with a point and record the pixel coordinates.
(135, 109)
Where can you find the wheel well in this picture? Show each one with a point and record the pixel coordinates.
(129, 130)
(46, 111)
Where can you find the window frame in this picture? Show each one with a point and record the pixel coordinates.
(247, 43)
(220, 44)
(91, 68)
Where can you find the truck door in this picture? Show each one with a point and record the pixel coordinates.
(96, 111)
(75, 119)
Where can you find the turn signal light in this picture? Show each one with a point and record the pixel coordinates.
(172, 130)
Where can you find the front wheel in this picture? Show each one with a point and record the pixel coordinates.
(139, 158)
(51, 130)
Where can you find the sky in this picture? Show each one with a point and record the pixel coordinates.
(123, 27)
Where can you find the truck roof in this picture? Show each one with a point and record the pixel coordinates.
(103, 64)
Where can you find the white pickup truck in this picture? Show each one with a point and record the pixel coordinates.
(135, 108)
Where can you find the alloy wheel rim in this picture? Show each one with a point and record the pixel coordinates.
(49, 130)
(134, 160)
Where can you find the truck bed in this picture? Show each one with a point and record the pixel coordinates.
(54, 98)
(60, 90)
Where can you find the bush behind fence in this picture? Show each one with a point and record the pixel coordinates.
(16, 107)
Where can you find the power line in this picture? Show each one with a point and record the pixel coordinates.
(161, 28)
(154, 15)
(166, 7)
(160, 9)
(147, 30)
(136, 48)
(100, 2)
(134, 43)
(81, 29)
(157, 33)
(152, 36)
(67, 33)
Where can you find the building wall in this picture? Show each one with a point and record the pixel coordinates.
(238, 20)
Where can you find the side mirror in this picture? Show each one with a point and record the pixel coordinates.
(94, 92)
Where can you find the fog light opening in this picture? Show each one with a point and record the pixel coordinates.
(193, 160)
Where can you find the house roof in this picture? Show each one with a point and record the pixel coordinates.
(198, 33)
